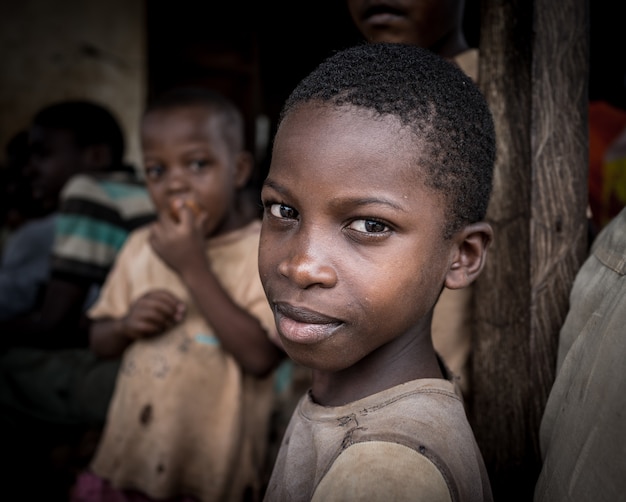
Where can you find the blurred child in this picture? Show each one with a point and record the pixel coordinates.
(52, 269)
(184, 305)
(17, 205)
(434, 25)
(77, 169)
(27, 235)
(379, 181)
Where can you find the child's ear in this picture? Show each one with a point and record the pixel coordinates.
(243, 168)
(471, 251)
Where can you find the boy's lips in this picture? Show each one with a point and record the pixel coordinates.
(302, 325)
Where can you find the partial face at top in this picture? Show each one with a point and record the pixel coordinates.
(352, 254)
(417, 22)
(186, 159)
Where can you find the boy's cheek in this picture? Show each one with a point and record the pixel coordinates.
(264, 266)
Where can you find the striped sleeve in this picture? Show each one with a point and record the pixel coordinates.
(95, 219)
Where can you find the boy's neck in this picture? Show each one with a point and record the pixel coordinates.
(379, 371)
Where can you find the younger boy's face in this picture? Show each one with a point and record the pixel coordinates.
(352, 254)
(186, 159)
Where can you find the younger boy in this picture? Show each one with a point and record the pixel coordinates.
(184, 304)
(379, 181)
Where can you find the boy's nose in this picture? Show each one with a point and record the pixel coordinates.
(177, 181)
(307, 263)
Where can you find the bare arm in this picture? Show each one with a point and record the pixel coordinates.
(240, 333)
(181, 246)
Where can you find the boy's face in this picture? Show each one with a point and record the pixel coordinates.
(186, 158)
(352, 254)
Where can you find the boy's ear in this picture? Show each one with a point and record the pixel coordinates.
(243, 168)
(471, 251)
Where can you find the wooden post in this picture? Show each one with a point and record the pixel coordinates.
(533, 71)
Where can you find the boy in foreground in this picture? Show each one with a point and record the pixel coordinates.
(379, 182)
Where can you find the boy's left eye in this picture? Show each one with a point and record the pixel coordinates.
(368, 226)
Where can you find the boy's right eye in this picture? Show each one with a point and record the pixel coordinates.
(282, 211)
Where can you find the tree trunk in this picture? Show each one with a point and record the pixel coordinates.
(534, 73)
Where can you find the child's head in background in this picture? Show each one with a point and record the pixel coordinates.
(379, 182)
(68, 138)
(433, 24)
(192, 141)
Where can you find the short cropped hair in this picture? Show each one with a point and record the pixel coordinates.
(446, 112)
(89, 123)
(229, 114)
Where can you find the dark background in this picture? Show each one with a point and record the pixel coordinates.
(256, 52)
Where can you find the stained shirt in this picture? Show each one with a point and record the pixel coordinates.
(409, 442)
(184, 418)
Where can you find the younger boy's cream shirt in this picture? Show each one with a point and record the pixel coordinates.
(184, 418)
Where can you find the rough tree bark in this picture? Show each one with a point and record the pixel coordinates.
(533, 71)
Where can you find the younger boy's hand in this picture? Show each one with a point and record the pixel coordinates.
(152, 314)
(178, 239)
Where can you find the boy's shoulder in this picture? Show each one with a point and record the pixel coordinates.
(415, 414)
(409, 412)
(423, 421)
(136, 241)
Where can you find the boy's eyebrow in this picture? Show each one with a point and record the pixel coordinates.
(367, 201)
(348, 201)
(275, 186)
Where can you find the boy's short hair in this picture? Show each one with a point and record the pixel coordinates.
(89, 123)
(448, 115)
(229, 113)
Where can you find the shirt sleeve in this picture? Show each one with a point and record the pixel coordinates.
(378, 470)
(115, 296)
(95, 218)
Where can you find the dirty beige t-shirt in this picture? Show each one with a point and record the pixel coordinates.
(409, 442)
(184, 419)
